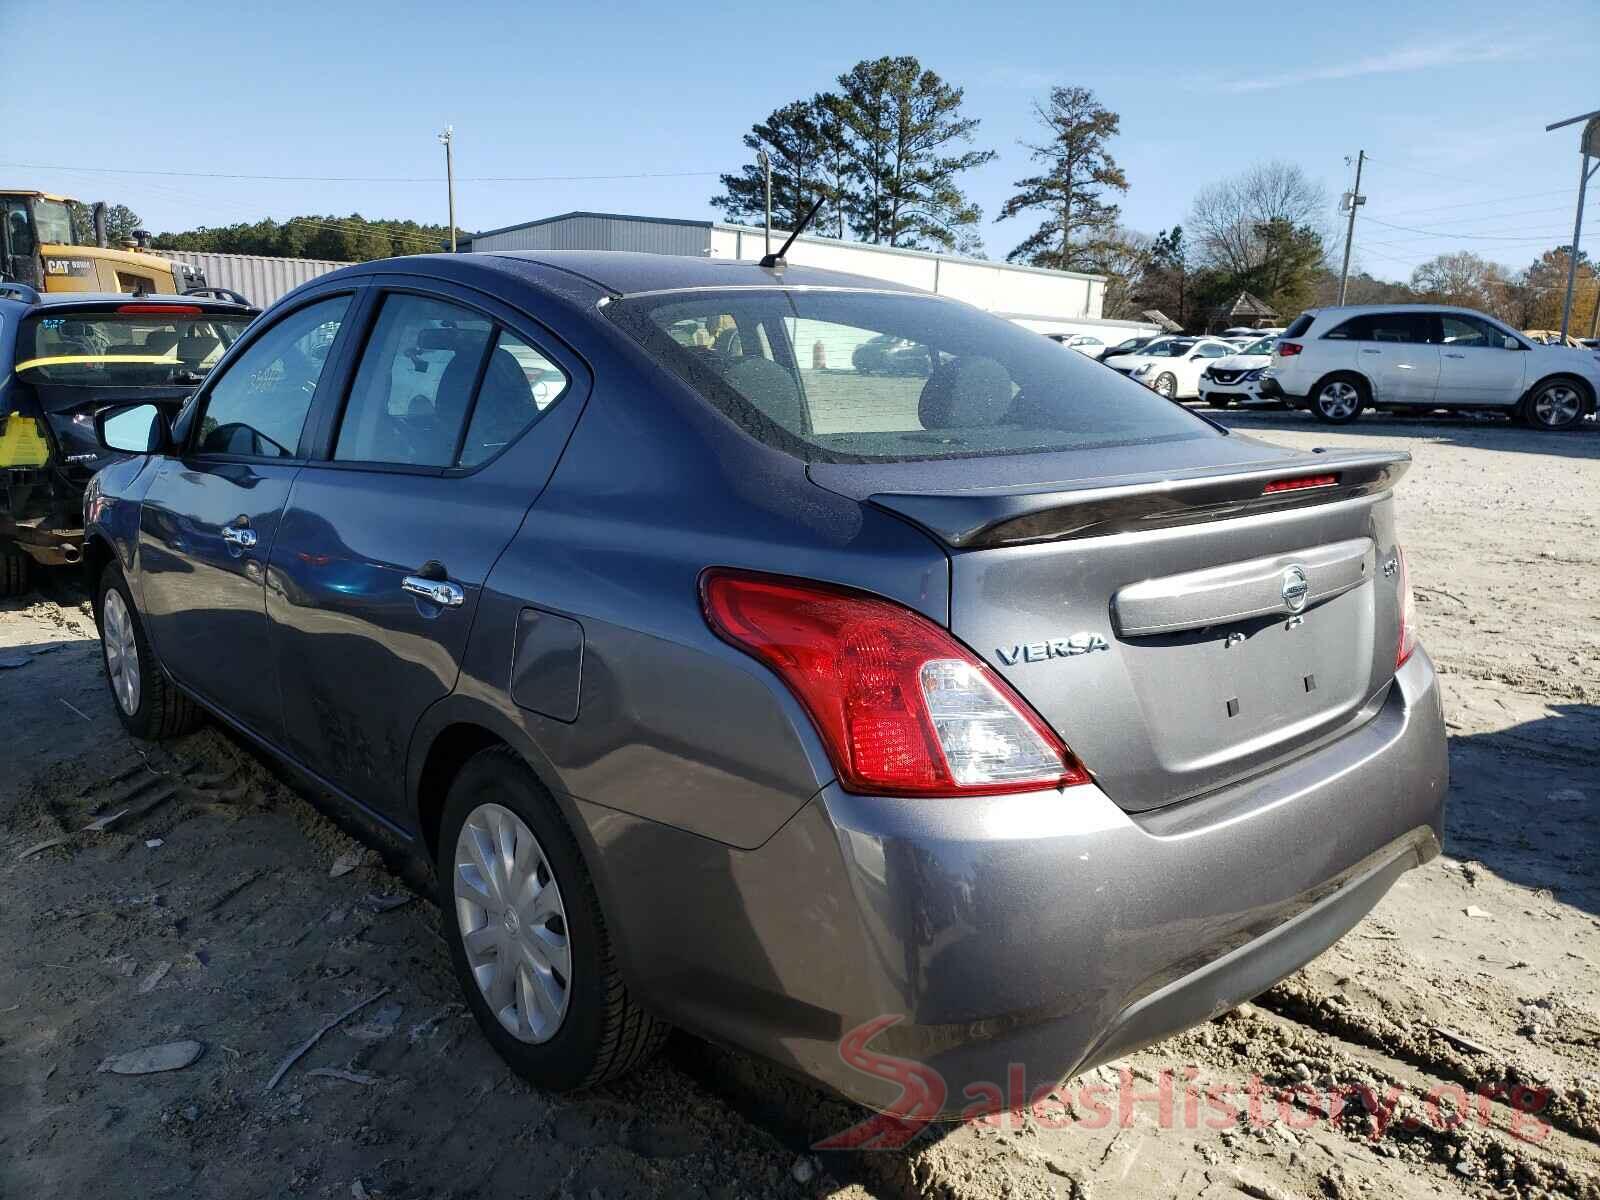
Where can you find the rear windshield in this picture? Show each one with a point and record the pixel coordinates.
(841, 376)
(110, 349)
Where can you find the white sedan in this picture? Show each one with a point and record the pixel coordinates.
(1237, 378)
(1172, 366)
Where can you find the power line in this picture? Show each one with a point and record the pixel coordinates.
(1486, 237)
(428, 179)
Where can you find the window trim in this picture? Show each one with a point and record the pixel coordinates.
(332, 367)
(379, 288)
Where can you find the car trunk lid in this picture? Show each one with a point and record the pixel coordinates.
(1181, 629)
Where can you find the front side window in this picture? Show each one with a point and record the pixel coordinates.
(837, 376)
(258, 407)
(1457, 331)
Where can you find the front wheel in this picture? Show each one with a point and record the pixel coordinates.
(1553, 406)
(1339, 400)
(527, 939)
(147, 703)
(1166, 385)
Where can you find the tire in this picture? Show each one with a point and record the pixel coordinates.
(1166, 385)
(1554, 405)
(15, 571)
(569, 1020)
(1339, 399)
(150, 706)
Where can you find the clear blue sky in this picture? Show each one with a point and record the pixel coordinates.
(1449, 100)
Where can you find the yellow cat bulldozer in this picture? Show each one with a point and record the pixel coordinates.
(46, 242)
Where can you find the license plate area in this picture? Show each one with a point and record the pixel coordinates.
(1237, 689)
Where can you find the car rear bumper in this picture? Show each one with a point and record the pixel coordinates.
(1048, 932)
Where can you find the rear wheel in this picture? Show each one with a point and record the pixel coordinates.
(15, 568)
(1339, 399)
(527, 938)
(1554, 405)
(147, 703)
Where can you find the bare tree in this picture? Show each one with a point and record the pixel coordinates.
(1124, 257)
(1461, 278)
(1230, 219)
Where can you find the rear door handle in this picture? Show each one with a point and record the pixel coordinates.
(1448, 355)
(436, 591)
(234, 536)
(1372, 352)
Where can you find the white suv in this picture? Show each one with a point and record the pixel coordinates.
(1338, 361)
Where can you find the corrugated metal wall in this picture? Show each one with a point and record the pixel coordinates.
(258, 278)
(603, 233)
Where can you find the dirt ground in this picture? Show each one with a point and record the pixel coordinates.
(209, 911)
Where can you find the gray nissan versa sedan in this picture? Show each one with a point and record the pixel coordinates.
(997, 707)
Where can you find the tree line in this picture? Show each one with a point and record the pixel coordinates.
(342, 239)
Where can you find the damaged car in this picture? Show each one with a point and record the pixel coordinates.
(66, 356)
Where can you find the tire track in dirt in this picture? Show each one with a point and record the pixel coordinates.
(1482, 1150)
(1428, 1049)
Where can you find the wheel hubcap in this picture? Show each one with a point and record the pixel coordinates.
(122, 652)
(1166, 387)
(513, 923)
(1557, 406)
(1337, 400)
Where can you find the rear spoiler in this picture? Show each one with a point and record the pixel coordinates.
(1096, 507)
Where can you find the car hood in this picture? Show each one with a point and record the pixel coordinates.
(1126, 362)
(1241, 362)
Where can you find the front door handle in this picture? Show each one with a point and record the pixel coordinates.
(435, 591)
(243, 538)
(1372, 352)
(1449, 355)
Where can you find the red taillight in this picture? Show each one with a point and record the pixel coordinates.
(165, 310)
(1408, 613)
(902, 707)
(1289, 349)
(1300, 485)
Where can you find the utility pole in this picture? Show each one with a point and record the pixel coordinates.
(765, 161)
(1355, 200)
(1589, 145)
(448, 138)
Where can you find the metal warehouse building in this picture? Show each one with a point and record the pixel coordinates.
(1043, 300)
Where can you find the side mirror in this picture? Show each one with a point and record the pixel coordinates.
(134, 429)
(1510, 343)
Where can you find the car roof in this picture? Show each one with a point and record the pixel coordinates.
(625, 273)
(1357, 309)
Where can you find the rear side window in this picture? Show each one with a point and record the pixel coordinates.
(442, 386)
(1299, 326)
(258, 406)
(411, 393)
(1399, 328)
(840, 376)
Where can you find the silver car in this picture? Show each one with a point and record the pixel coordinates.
(988, 711)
